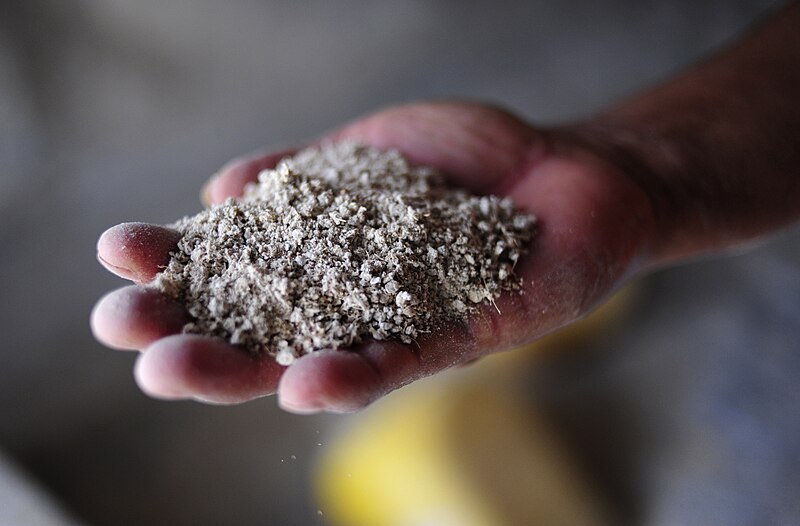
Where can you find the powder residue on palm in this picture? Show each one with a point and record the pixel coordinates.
(339, 243)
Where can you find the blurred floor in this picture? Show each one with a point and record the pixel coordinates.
(118, 110)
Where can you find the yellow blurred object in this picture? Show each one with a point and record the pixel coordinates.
(467, 449)
(390, 469)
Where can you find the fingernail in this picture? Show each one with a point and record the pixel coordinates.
(119, 271)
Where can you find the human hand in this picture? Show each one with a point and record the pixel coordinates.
(595, 226)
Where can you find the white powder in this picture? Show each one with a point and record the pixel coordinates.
(339, 243)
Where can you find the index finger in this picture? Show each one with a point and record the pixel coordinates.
(137, 251)
(232, 178)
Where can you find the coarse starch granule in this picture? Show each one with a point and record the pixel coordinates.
(338, 243)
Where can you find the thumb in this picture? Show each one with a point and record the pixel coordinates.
(477, 146)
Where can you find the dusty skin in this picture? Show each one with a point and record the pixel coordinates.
(341, 242)
(681, 170)
(593, 223)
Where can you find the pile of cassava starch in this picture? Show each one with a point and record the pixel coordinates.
(339, 243)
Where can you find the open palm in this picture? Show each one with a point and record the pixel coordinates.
(594, 225)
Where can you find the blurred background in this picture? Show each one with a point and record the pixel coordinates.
(682, 410)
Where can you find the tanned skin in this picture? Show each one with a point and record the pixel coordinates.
(704, 163)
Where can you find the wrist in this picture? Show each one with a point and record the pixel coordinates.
(646, 158)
